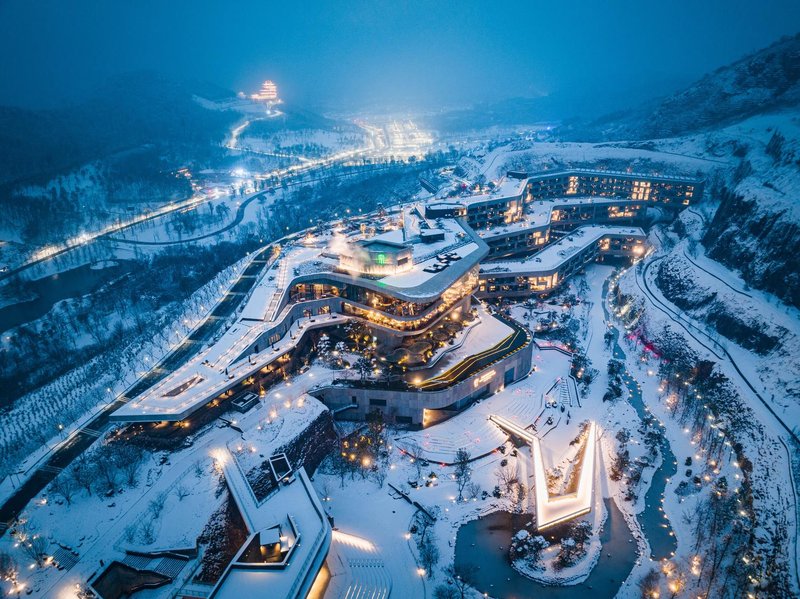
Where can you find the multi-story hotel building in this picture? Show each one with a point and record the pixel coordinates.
(400, 283)
(406, 276)
(526, 213)
(542, 272)
(411, 270)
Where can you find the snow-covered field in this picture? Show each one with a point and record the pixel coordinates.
(312, 143)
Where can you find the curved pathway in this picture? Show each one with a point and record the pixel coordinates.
(166, 211)
(235, 222)
(697, 214)
(644, 287)
(721, 280)
(675, 317)
(240, 211)
(100, 236)
(704, 221)
(789, 431)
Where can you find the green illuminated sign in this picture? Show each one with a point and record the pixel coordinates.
(381, 259)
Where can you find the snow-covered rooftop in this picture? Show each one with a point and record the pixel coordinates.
(219, 366)
(506, 187)
(213, 371)
(556, 254)
(433, 271)
(538, 214)
(296, 511)
(612, 173)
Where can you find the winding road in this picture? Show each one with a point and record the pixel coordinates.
(720, 348)
(675, 316)
(101, 235)
(240, 211)
(711, 274)
(234, 223)
(166, 210)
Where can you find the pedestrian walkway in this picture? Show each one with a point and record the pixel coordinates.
(552, 510)
(471, 430)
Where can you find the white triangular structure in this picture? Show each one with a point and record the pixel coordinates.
(561, 508)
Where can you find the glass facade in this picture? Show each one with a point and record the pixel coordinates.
(633, 187)
(384, 309)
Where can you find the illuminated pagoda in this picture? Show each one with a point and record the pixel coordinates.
(268, 93)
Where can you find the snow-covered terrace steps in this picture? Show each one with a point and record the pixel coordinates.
(366, 572)
(370, 579)
(475, 433)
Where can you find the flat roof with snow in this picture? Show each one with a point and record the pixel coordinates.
(539, 214)
(505, 188)
(511, 188)
(219, 367)
(556, 254)
(294, 517)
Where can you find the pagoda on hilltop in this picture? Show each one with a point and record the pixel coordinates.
(268, 93)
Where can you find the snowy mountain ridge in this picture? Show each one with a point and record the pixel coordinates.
(766, 80)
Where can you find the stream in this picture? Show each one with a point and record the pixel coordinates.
(482, 545)
(54, 288)
(653, 521)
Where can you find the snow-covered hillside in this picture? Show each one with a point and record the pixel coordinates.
(303, 143)
(750, 209)
(756, 229)
(752, 326)
(766, 80)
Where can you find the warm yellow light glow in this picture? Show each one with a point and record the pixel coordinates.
(353, 541)
(220, 456)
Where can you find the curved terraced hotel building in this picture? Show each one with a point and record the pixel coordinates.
(406, 274)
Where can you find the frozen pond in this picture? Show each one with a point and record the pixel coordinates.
(479, 543)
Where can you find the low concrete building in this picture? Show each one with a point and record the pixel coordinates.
(425, 402)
